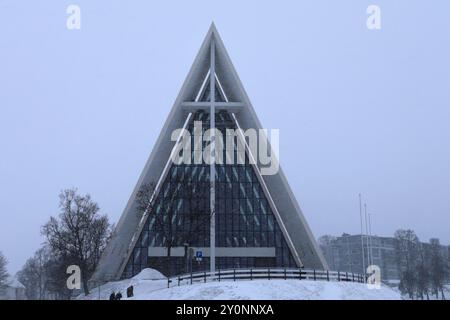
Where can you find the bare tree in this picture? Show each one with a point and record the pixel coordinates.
(407, 253)
(27, 276)
(3, 273)
(44, 276)
(326, 245)
(438, 268)
(56, 278)
(423, 273)
(79, 234)
(33, 275)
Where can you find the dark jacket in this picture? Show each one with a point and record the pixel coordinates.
(130, 292)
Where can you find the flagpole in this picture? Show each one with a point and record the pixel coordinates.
(367, 237)
(362, 238)
(370, 238)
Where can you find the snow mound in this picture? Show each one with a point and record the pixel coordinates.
(148, 280)
(244, 290)
(149, 274)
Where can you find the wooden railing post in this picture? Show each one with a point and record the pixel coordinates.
(204, 274)
(219, 275)
(328, 275)
(234, 274)
(268, 273)
(191, 276)
(284, 273)
(339, 276)
(251, 274)
(178, 280)
(314, 272)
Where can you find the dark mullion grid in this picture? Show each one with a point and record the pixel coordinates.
(231, 198)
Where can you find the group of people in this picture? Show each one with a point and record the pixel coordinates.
(115, 296)
(118, 295)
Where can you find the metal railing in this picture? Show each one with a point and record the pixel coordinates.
(265, 274)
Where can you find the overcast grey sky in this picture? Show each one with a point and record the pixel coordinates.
(358, 110)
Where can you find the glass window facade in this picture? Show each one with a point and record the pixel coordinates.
(243, 215)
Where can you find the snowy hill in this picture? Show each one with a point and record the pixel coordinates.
(151, 285)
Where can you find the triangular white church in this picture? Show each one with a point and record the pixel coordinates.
(251, 220)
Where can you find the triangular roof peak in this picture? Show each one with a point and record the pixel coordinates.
(213, 29)
(212, 33)
(223, 67)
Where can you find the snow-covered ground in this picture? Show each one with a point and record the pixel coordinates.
(150, 285)
(272, 290)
